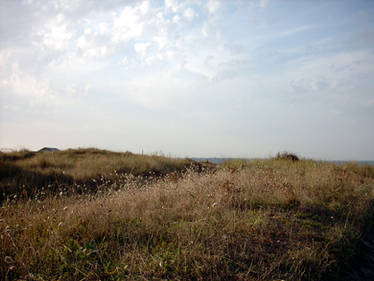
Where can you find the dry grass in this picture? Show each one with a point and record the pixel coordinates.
(27, 174)
(90, 163)
(260, 220)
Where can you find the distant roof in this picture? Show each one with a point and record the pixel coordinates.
(48, 149)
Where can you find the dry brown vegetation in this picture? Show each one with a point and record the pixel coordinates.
(26, 174)
(257, 220)
(88, 163)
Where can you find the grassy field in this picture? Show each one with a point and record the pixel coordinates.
(29, 174)
(277, 219)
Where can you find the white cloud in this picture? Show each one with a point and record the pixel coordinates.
(124, 61)
(87, 31)
(176, 18)
(158, 90)
(82, 42)
(97, 52)
(162, 41)
(263, 3)
(172, 4)
(67, 5)
(57, 35)
(189, 14)
(144, 7)
(213, 6)
(287, 32)
(208, 62)
(204, 30)
(103, 28)
(127, 25)
(88, 46)
(28, 86)
(141, 48)
(156, 57)
(334, 80)
(3, 83)
(4, 57)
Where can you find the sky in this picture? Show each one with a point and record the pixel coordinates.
(189, 78)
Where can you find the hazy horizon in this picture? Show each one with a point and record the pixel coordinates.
(189, 78)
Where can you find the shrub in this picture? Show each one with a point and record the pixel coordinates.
(286, 156)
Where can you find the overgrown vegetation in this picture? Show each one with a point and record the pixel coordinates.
(29, 174)
(246, 220)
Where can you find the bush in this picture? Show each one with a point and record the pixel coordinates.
(286, 156)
